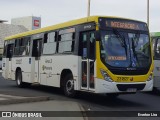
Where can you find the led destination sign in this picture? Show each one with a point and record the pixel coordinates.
(122, 24)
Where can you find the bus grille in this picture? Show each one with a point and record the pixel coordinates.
(129, 72)
(124, 87)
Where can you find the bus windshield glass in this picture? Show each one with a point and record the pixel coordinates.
(125, 49)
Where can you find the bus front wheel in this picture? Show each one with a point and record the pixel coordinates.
(69, 86)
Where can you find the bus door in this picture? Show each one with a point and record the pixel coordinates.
(87, 51)
(7, 64)
(36, 54)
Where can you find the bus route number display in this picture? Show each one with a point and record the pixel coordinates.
(122, 24)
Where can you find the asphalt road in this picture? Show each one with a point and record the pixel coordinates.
(149, 101)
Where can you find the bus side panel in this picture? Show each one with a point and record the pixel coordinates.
(12, 74)
(5, 64)
(52, 66)
(6, 68)
(12, 71)
(24, 63)
(156, 82)
(47, 71)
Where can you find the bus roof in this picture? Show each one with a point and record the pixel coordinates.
(62, 25)
(155, 34)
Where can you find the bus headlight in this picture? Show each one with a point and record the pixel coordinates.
(150, 77)
(106, 76)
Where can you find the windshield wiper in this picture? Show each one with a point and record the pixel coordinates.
(134, 51)
(121, 39)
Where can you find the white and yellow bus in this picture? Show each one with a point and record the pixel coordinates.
(94, 54)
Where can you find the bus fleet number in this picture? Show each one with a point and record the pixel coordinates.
(124, 79)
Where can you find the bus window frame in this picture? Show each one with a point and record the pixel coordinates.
(73, 39)
(30, 38)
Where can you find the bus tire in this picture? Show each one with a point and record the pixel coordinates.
(68, 87)
(19, 81)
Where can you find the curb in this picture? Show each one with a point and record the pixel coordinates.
(24, 100)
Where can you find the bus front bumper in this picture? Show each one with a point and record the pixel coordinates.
(102, 86)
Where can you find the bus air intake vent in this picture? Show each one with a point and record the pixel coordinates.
(125, 87)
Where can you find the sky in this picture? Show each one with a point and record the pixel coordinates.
(58, 11)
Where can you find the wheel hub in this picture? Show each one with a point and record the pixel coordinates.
(69, 85)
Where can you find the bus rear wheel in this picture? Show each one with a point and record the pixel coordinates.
(69, 86)
(19, 81)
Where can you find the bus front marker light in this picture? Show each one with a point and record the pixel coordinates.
(150, 77)
(106, 76)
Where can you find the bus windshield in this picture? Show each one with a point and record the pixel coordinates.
(125, 49)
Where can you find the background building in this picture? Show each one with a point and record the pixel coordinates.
(30, 22)
(9, 29)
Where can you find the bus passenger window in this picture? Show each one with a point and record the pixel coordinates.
(66, 43)
(45, 38)
(22, 46)
(83, 45)
(25, 46)
(50, 43)
(16, 47)
(37, 47)
(10, 50)
(28, 42)
(92, 46)
(5, 49)
(87, 45)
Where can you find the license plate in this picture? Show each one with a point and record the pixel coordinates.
(131, 90)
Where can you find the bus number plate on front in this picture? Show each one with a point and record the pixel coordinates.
(122, 79)
(131, 90)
